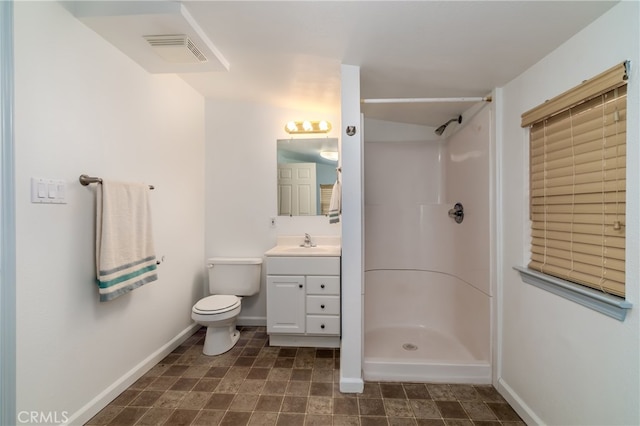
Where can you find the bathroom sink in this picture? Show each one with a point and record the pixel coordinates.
(293, 246)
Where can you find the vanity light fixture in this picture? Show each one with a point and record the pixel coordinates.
(295, 127)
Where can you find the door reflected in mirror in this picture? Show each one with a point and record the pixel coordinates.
(306, 175)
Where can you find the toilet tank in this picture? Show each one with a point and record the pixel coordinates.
(234, 275)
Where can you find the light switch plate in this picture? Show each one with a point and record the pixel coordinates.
(48, 191)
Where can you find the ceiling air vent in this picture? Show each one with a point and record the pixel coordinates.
(176, 48)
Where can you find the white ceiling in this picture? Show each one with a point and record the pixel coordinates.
(289, 53)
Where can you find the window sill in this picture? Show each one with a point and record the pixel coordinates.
(606, 304)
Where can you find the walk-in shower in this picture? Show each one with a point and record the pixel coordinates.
(427, 275)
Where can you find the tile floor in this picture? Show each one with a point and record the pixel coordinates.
(255, 384)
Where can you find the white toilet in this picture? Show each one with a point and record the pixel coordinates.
(229, 278)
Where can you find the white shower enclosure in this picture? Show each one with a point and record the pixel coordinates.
(427, 278)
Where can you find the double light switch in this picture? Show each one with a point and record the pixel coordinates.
(48, 191)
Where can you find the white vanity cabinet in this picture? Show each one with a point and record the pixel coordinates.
(303, 301)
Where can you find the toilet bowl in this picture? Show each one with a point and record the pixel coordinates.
(229, 280)
(219, 314)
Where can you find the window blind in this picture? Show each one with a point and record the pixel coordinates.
(578, 190)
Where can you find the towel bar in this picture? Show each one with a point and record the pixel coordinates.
(86, 180)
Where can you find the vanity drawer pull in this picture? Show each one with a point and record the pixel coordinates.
(321, 285)
(300, 285)
(322, 326)
(321, 306)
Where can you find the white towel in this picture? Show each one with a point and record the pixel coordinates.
(125, 256)
(334, 205)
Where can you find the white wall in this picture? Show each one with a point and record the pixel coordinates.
(83, 107)
(562, 363)
(241, 186)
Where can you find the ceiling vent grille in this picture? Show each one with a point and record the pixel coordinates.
(176, 48)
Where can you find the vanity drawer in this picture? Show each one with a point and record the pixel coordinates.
(325, 305)
(319, 324)
(323, 285)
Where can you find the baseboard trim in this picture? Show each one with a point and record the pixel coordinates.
(523, 410)
(351, 385)
(252, 321)
(94, 406)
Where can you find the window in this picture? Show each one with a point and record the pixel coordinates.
(578, 183)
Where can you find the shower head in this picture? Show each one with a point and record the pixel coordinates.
(440, 130)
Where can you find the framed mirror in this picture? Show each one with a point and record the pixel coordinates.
(306, 175)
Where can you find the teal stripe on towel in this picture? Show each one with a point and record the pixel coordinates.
(128, 265)
(105, 297)
(126, 277)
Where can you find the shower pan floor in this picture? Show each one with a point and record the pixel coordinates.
(408, 353)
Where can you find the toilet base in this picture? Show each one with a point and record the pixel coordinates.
(220, 339)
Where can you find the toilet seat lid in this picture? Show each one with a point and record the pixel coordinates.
(217, 304)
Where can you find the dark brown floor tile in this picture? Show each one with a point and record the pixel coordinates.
(303, 374)
(146, 398)
(170, 359)
(194, 400)
(371, 390)
(244, 361)
(324, 353)
(290, 419)
(219, 401)
(451, 410)
(279, 374)
(346, 421)
(258, 373)
(128, 416)
(465, 392)
(392, 390)
(430, 422)
(244, 402)
(283, 363)
(401, 421)
(184, 384)
(237, 372)
(274, 387)
(270, 403)
(294, 404)
(373, 421)
(206, 385)
(182, 417)
(441, 392)
(478, 410)
(458, 422)
(162, 383)
(397, 407)
(371, 407)
(318, 420)
(322, 375)
(487, 423)
(320, 405)
(263, 419)
(208, 418)
(425, 409)
(126, 397)
(287, 352)
(155, 416)
(503, 411)
(235, 418)
(321, 389)
(416, 391)
(252, 387)
(250, 351)
(488, 393)
(170, 399)
(142, 383)
(345, 406)
(264, 362)
(217, 372)
(175, 370)
(298, 388)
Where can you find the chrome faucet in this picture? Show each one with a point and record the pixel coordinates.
(307, 241)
